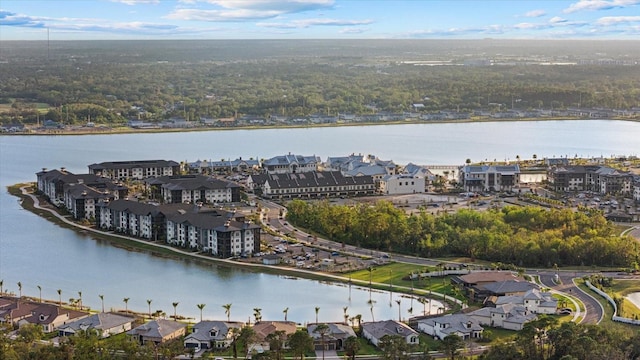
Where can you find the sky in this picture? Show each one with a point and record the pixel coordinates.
(318, 19)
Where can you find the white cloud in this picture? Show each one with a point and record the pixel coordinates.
(298, 24)
(353, 30)
(613, 20)
(136, 2)
(221, 15)
(535, 13)
(600, 5)
(557, 20)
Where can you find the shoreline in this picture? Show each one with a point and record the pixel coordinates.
(128, 130)
(157, 249)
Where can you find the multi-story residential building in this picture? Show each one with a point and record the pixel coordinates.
(600, 179)
(193, 189)
(291, 164)
(230, 166)
(310, 185)
(55, 185)
(636, 189)
(489, 177)
(217, 235)
(137, 170)
(80, 200)
(134, 218)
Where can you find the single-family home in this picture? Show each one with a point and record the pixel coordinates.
(263, 329)
(533, 300)
(102, 324)
(489, 177)
(375, 331)
(50, 316)
(157, 331)
(291, 164)
(506, 316)
(211, 335)
(333, 339)
(462, 325)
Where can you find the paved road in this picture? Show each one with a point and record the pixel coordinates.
(593, 309)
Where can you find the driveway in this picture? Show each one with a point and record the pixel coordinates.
(328, 355)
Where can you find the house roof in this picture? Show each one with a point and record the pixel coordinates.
(99, 321)
(291, 159)
(191, 182)
(513, 313)
(159, 328)
(454, 323)
(379, 329)
(509, 286)
(212, 330)
(48, 313)
(264, 328)
(133, 164)
(367, 170)
(336, 331)
(487, 276)
(315, 179)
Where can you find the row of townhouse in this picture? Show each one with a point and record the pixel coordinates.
(310, 185)
(192, 189)
(78, 193)
(600, 179)
(216, 232)
(135, 170)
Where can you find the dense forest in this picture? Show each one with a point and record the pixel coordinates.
(523, 236)
(111, 82)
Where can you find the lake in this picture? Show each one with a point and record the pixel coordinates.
(36, 252)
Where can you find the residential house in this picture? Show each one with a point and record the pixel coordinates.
(375, 331)
(345, 163)
(135, 170)
(534, 301)
(49, 316)
(193, 189)
(291, 164)
(102, 324)
(333, 339)
(502, 288)
(506, 316)
(157, 331)
(462, 325)
(211, 335)
(228, 166)
(489, 177)
(263, 329)
(310, 185)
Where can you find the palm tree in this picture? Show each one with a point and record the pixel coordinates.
(201, 306)
(40, 291)
(175, 306)
(126, 305)
(80, 299)
(149, 304)
(317, 310)
(20, 288)
(286, 312)
(371, 302)
(227, 311)
(1, 284)
(351, 347)
(399, 310)
(323, 330)
(346, 316)
(59, 296)
(257, 314)
(102, 301)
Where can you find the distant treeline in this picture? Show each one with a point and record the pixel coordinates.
(84, 86)
(523, 236)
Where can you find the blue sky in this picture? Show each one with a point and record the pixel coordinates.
(318, 19)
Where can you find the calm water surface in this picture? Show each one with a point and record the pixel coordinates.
(35, 252)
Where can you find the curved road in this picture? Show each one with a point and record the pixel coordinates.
(593, 309)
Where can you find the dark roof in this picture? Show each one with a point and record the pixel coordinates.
(133, 164)
(192, 182)
(314, 179)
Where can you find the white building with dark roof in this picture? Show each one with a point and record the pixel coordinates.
(463, 325)
(102, 324)
(402, 184)
(193, 189)
(138, 170)
(157, 331)
(310, 185)
(291, 164)
(375, 331)
(506, 316)
(211, 335)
